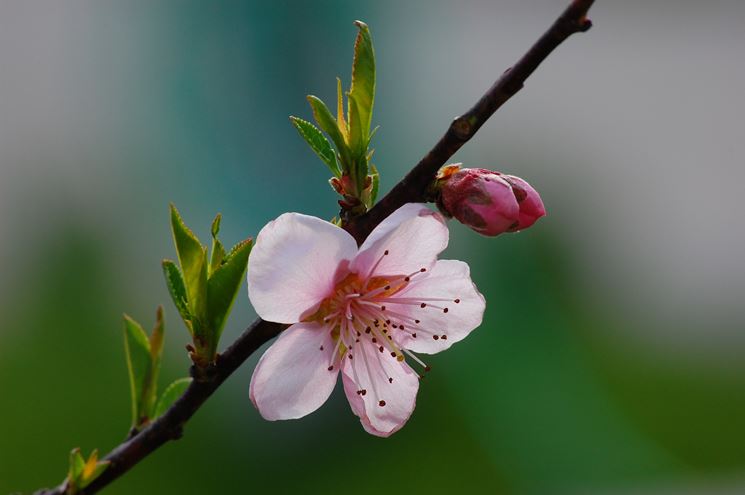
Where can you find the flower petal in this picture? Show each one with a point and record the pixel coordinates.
(412, 236)
(390, 387)
(448, 281)
(293, 264)
(292, 378)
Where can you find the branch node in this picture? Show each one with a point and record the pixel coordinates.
(462, 128)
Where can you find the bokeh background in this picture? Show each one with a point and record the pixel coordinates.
(610, 360)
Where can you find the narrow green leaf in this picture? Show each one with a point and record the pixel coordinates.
(177, 289)
(363, 82)
(137, 348)
(170, 395)
(328, 124)
(77, 464)
(223, 286)
(342, 123)
(218, 250)
(192, 257)
(357, 138)
(318, 143)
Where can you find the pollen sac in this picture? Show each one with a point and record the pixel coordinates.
(488, 202)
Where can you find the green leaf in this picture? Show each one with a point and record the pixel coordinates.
(223, 286)
(328, 124)
(218, 250)
(362, 90)
(192, 257)
(170, 395)
(340, 110)
(77, 464)
(318, 143)
(137, 348)
(357, 139)
(177, 289)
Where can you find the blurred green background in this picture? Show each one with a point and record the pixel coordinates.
(610, 360)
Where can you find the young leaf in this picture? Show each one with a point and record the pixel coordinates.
(192, 257)
(340, 110)
(223, 286)
(137, 348)
(170, 395)
(318, 143)
(177, 289)
(77, 464)
(357, 135)
(82, 473)
(328, 124)
(218, 250)
(362, 89)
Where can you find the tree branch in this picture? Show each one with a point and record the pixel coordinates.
(412, 188)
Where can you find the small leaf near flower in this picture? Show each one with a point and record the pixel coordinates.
(170, 395)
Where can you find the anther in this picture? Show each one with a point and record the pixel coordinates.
(368, 330)
(321, 348)
(413, 335)
(417, 322)
(381, 403)
(457, 301)
(436, 337)
(330, 368)
(387, 287)
(444, 337)
(393, 354)
(380, 348)
(423, 305)
(385, 253)
(390, 380)
(423, 270)
(445, 310)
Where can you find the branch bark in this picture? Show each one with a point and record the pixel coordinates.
(411, 188)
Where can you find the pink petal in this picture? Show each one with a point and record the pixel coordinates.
(449, 280)
(385, 381)
(293, 265)
(412, 236)
(292, 378)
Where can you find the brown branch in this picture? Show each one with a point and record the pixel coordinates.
(412, 188)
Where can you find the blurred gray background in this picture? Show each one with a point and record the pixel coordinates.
(611, 357)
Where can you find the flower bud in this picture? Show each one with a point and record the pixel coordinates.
(489, 202)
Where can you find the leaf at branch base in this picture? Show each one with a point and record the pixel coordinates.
(362, 89)
(318, 143)
(223, 286)
(77, 464)
(170, 395)
(82, 473)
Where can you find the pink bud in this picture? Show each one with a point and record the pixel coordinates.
(488, 202)
(531, 205)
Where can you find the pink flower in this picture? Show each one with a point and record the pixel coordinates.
(489, 202)
(361, 311)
